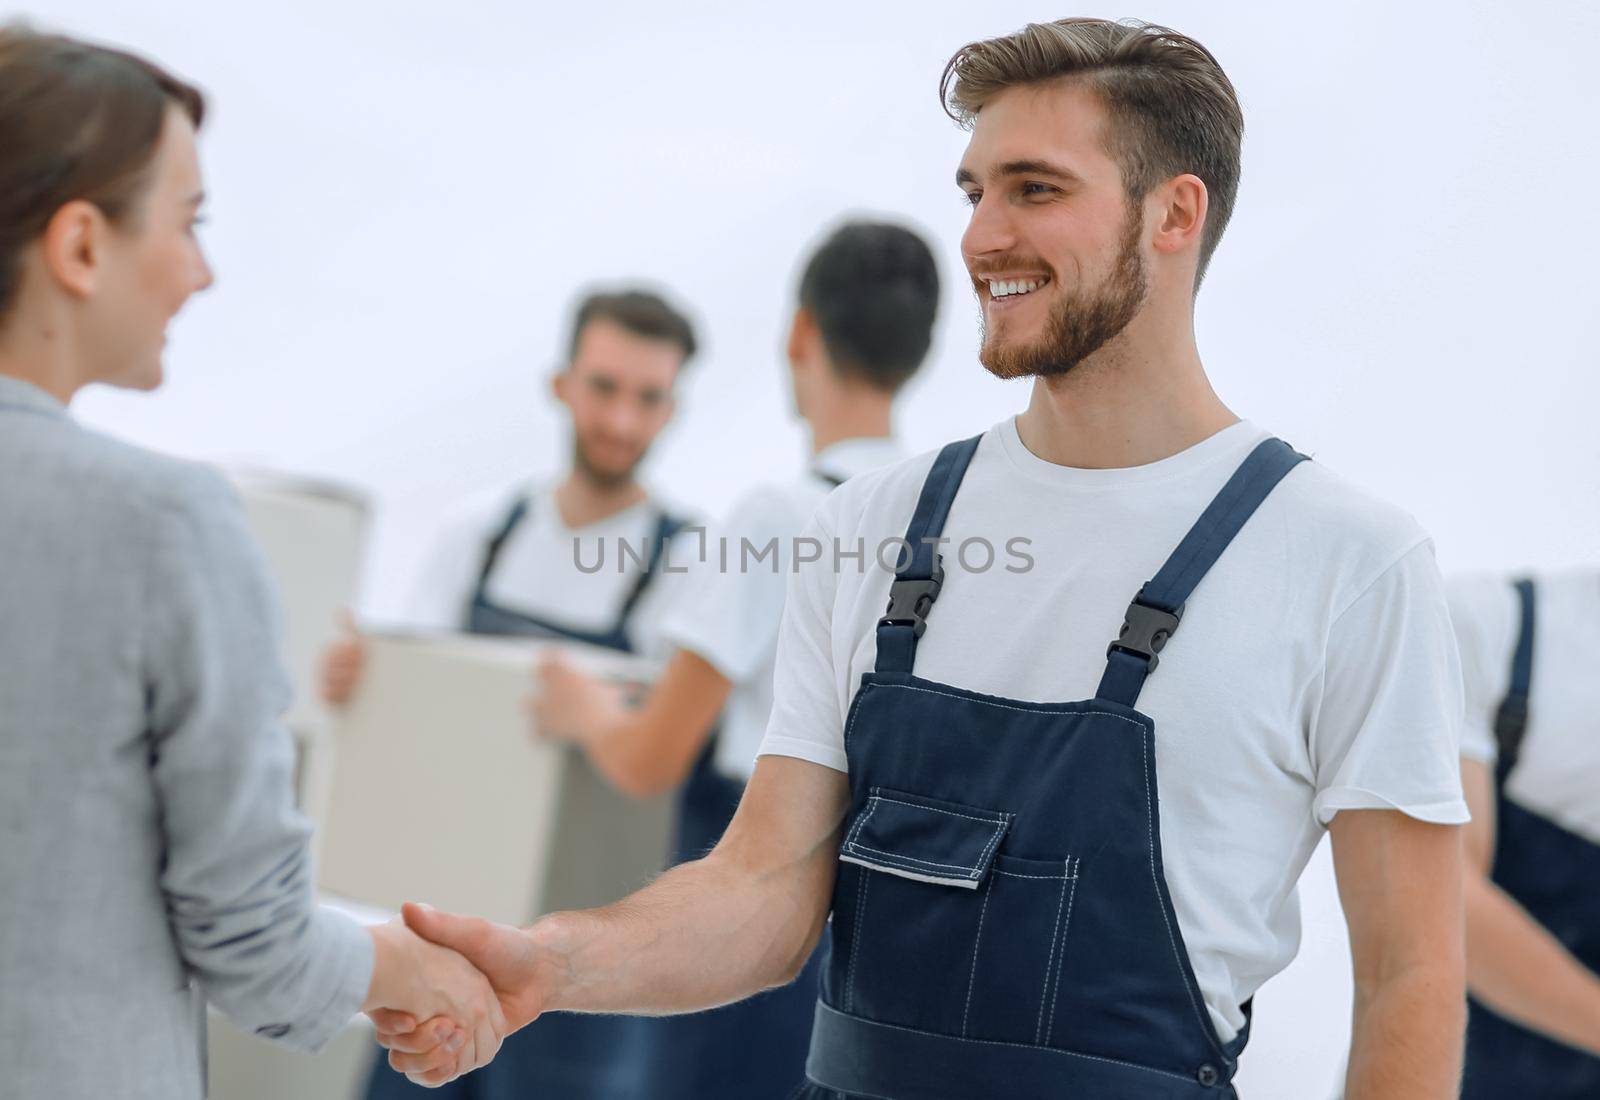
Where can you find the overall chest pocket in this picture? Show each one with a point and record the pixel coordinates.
(943, 931)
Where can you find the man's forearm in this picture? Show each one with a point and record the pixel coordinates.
(634, 756)
(646, 749)
(1521, 971)
(1407, 1037)
(704, 934)
(741, 920)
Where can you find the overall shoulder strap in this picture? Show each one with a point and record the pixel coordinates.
(916, 583)
(666, 527)
(1511, 720)
(491, 552)
(1155, 612)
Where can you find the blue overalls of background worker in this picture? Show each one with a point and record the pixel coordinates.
(1531, 769)
(861, 329)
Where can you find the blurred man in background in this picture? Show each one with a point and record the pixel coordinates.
(511, 568)
(508, 567)
(1530, 764)
(868, 297)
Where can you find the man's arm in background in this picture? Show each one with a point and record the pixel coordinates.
(1400, 885)
(1514, 965)
(643, 750)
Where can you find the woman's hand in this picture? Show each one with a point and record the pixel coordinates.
(412, 980)
(524, 978)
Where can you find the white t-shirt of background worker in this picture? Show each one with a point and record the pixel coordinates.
(547, 569)
(1558, 768)
(727, 611)
(1314, 670)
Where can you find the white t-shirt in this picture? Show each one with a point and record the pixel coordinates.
(1558, 770)
(1314, 671)
(547, 569)
(728, 611)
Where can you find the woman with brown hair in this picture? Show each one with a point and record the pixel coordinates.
(150, 851)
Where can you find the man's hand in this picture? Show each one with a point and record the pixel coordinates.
(414, 979)
(570, 705)
(706, 933)
(504, 955)
(642, 746)
(343, 663)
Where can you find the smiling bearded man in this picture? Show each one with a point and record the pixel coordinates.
(1056, 867)
(1081, 321)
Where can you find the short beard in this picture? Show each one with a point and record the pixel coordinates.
(1081, 323)
(600, 478)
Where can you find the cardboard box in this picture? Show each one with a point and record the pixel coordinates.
(313, 535)
(440, 792)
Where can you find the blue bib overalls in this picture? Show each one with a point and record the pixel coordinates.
(1001, 922)
(1554, 874)
(484, 616)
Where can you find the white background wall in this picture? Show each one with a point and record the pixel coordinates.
(405, 197)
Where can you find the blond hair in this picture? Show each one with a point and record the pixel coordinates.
(1171, 108)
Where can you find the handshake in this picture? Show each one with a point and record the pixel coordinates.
(447, 990)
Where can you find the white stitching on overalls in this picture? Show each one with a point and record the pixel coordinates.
(1000, 818)
(865, 881)
(855, 712)
(1042, 709)
(1177, 955)
(872, 804)
(971, 871)
(972, 977)
(1072, 896)
(1050, 962)
(1018, 874)
(1144, 749)
(994, 841)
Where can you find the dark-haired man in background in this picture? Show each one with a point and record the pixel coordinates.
(505, 565)
(863, 325)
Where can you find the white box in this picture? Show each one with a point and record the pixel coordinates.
(313, 535)
(439, 792)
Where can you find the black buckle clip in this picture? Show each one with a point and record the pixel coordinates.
(1145, 631)
(910, 600)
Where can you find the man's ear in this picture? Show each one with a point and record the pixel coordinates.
(1181, 206)
(560, 384)
(803, 336)
(73, 247)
